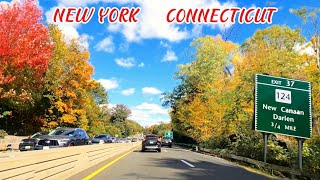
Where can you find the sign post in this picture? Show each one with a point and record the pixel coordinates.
(265, 140)
(283, 106)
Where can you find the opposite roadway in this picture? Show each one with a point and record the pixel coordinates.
(171, 163)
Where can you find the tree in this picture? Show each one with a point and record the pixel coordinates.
(74, 97)
(119, 113)
(197, 111)
(25, 49)
(310, 17)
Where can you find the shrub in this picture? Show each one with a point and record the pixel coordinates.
(248, 144)
(219, 142)
(3, 133)
(311, 159)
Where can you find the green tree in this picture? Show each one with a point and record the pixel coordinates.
(119, 113)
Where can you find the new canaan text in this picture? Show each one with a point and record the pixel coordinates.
(255, 15)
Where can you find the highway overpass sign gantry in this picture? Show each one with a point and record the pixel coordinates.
(283, 106)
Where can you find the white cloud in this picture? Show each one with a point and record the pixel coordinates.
(147, 114)
(141, 65)
(164, 44)
(304, 49)
(153, 23)
(128, 92)
(84, 40)
(109, 84)
(169, 56)
(196, 30)
(151, 90)
(126, 62)
(152, 108)
(105, 45)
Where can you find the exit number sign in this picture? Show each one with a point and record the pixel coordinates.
(283, 106)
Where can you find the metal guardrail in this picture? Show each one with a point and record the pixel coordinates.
(293, 172)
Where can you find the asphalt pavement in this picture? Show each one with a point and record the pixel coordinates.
(172, 163)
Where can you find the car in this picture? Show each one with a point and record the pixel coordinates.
(134, 140)
(166, 142)
(111, 140)
(100, 139)
(151, 142)
(121, 140)
(128, 140)
(63, 137)
(31, 142)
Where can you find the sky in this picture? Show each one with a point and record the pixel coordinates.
(136, 62)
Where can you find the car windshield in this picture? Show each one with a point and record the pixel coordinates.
(152, 138)
(100, 136)
(63, 132)
(38, 134)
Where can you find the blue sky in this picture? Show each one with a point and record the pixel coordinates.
(136, 62)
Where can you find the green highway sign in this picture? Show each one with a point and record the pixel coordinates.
(283, 106)
(169, 134)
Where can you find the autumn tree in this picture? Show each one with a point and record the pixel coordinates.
(74, 97)
(197, 111)
(311, 25)
(119, 113)
(24, 53)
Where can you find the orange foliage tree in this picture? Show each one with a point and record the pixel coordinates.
(24, 53)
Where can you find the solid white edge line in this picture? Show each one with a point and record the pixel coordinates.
(187, 163)
(165, 150)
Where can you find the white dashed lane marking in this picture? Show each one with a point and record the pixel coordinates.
(187, 163)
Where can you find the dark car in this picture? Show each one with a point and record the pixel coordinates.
(111, 140)
(134, 140)
(166, 142)
(100, 139)
(63, 137)
(151, 142)
(30, 143)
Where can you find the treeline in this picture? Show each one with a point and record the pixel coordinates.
(213, 105)
(45, 78)
(158, 129)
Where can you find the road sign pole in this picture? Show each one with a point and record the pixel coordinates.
(300, 143)
(265, 139)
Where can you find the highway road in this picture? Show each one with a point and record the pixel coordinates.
(172, 163)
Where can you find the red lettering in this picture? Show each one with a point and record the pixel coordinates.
(168, 15)
(59, 14)
(241, 15)
(270, 14)
(178, 15)
(234, 12)
(124, 11)
(133, 13)
(203, 14)
(113, 15)
(247, 20)
(221, 16)
(102, 14)
(85, 18)
(191, 14)
(259, 18)
(70, 14)
(213, 14)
